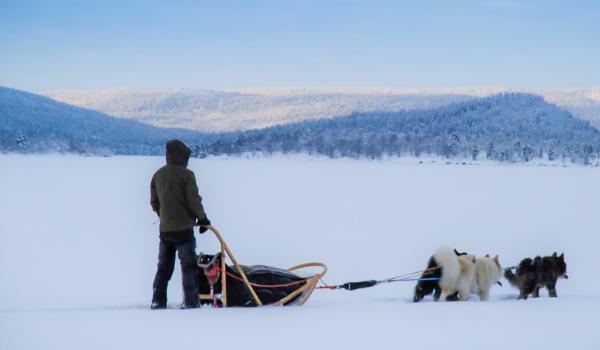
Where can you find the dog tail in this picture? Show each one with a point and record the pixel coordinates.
(447, 260)
(510, 277)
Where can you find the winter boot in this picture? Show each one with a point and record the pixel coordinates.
(185, 306)
(159, 300)
(157, 305)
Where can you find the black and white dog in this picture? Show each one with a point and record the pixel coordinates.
(430, 282)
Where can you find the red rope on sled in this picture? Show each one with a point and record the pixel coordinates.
(405, 277)
(268, 285)
(326, 287)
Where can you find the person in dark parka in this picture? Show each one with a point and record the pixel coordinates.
(174, 197)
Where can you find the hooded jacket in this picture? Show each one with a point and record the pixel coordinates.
(174, 193)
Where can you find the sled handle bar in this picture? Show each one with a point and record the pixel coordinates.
(225, 248)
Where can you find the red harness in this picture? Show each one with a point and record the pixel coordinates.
(212, 273)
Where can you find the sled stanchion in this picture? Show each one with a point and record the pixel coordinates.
(223, 279)
(237, 266)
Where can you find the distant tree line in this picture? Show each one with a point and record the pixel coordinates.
(510, 127)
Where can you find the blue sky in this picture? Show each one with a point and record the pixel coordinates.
(66, 45)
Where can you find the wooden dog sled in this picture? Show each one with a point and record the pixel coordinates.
(240, 285)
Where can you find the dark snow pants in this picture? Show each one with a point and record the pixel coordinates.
(166, 264)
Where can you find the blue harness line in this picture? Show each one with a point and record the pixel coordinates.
(416, 279)
(370, 283)
(408, 279)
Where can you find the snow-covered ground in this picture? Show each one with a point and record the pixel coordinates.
(78, 246)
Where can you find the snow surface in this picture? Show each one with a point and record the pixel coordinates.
(78, 246)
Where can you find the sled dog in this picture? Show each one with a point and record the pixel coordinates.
(457, 273)
(487, 273)
(429, 282)
(532, 274)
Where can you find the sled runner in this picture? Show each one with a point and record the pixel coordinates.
(238, 285)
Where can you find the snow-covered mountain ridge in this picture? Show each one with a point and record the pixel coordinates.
(255, 108)
(507, 127)
(31, 123)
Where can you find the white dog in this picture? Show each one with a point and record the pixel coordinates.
(488, 272)
(465, 274)
(458, 273)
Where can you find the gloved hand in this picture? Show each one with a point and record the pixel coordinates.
(203, 224)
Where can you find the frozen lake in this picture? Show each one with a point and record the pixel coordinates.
(78, 246)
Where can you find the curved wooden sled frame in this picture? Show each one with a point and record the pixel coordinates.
(303, 292)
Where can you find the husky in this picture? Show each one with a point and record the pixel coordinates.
(524, 277)
(533, 274)
(488, 272)
(430, 281)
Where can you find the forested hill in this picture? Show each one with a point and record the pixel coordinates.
(251, 109)
(31, 123)
(507, 127)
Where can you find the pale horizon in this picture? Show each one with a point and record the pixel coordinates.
(298, 89)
